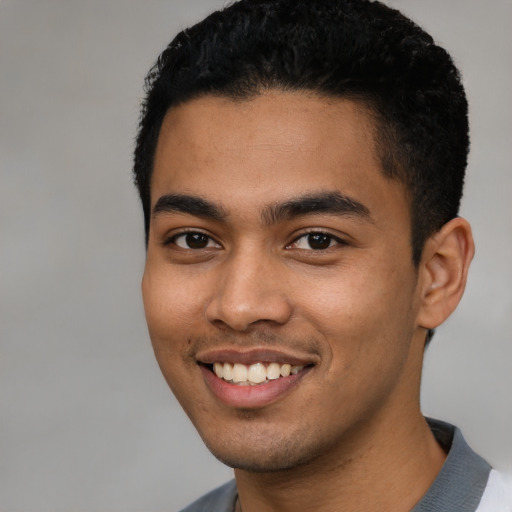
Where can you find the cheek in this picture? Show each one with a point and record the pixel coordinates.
(171, 304)
(342, 301)
(360, 309)
(167, 308)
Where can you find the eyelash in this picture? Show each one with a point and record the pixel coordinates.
(318, 233)
(323, 238)
(172, 239)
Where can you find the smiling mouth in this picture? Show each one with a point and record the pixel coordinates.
(254, 374)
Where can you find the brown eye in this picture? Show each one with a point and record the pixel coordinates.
(319, 241)
(316, 241)
(194, 240)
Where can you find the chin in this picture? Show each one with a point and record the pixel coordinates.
(257, 463)
(268, 454)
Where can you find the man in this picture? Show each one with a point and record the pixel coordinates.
(300, 165)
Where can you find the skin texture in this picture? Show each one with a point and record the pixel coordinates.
(350, 432)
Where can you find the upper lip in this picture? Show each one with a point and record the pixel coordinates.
(255, 355)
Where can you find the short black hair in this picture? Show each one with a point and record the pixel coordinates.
(355, 49)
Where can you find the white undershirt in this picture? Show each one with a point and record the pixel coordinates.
(497, 496)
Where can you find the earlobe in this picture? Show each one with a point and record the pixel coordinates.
(444, 268)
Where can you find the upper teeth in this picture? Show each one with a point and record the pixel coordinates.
(256, 373)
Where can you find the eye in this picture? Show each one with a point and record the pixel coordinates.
(315, 241)
(193, 240)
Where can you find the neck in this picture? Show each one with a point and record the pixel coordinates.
(385, 468)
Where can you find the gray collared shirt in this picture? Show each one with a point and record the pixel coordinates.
(459, 485)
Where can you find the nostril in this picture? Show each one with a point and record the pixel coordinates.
(242, 318)
(248, 292)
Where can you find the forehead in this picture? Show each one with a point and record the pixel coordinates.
(271, 147)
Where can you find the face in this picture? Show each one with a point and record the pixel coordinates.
(279, 288)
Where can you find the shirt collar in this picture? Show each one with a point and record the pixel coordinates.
(463, 477)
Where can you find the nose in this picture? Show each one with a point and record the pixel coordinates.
(249, 290)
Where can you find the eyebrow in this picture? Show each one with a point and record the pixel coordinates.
(333, 203)
(191, 205)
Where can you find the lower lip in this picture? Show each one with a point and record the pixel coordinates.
(251, 397)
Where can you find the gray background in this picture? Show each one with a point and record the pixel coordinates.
(87, 422)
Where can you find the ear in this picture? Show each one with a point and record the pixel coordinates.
(444, 269)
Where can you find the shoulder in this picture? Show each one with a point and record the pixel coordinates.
(221, 499)
(497, 496)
